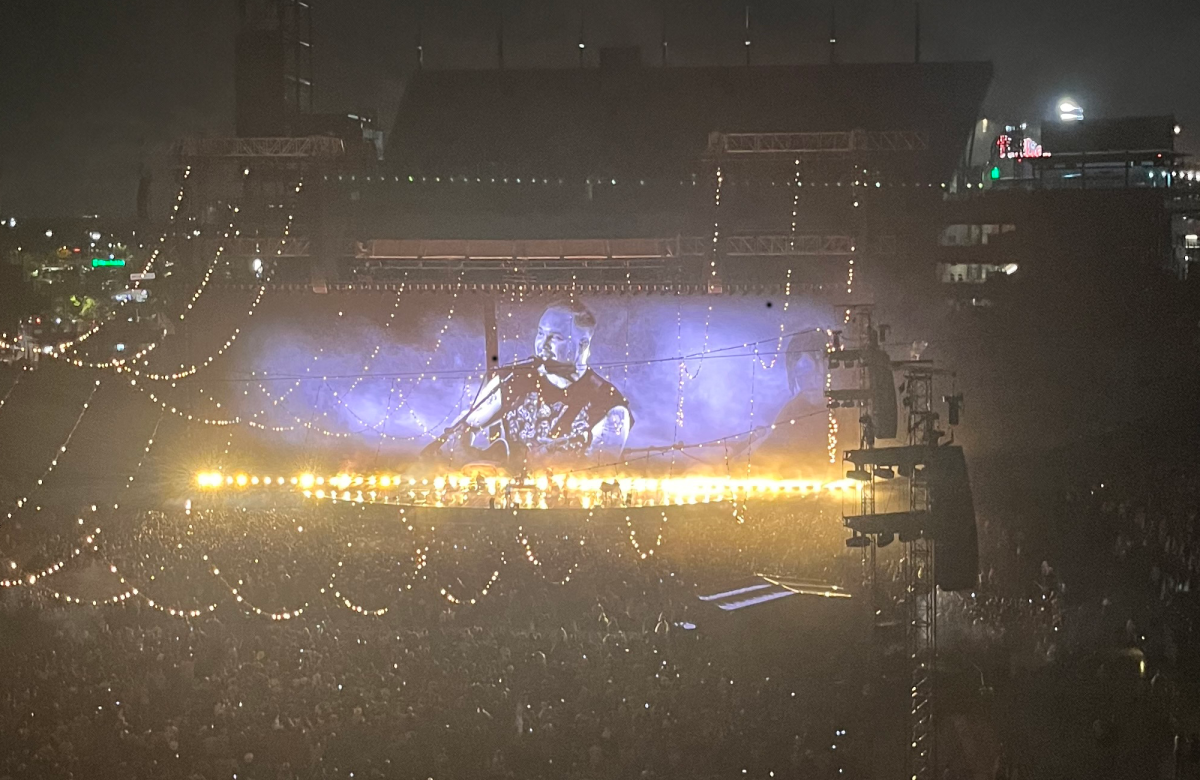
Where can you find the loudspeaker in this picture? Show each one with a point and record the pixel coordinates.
(883, 394)
(952, 521)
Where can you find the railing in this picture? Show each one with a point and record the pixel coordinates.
(818, 143)
(307, 146)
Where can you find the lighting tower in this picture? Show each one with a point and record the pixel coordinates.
(920, 588)
(940, 510)
(858, 347)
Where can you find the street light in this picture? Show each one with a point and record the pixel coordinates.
(1070, 111)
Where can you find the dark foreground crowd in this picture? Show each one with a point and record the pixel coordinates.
(348, 641)
(582, 660)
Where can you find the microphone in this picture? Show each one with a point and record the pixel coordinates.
(529, 362)
(533, 360)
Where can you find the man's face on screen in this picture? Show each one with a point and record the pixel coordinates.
(563, 346)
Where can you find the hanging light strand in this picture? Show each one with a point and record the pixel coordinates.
(787, 282)
(88, 544)
(11, 388)
(831, 445)
(641, 549)
(523, 536)
(149, 265)
(250, 608)
(450, 597)
(195, 369)
(62, 449)
(716, 237)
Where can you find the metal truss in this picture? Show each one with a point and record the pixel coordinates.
(818, 143)
(285, 148)
(921, 592)
(788, 246)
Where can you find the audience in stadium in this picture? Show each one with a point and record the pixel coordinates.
(528, 645)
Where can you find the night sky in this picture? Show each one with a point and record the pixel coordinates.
(91, 91)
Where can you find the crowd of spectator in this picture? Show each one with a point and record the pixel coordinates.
(583, 659)
(341, 640)
(1147, 575)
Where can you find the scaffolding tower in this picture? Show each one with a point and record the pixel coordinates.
(920, 588)
(915, 526)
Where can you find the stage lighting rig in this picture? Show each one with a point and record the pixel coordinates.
(940, 508)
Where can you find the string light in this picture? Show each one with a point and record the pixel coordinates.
(173, 377)
(750, 443)
(62, 449)
(523, 539)
(128, 593)
(850, 271)
(187, 172)
(208, 272)
(145, 452)
(425, 373)
(347, 603)
(712, 264)
(375, 352)
(787, 283)
(166, 407)
(248, 607)
(641, 182)
(11, 388)
(625, 367)
(429, 360)
(637, 547)
(704, 346)
(90, 539)
(177, 612)
(643, 549)
(420, 560)
(403, 403)
(31, 579)
(831, 445)
(738, 514)
(450, 597)
(682, 370)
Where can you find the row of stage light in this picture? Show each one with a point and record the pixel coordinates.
(530, 492)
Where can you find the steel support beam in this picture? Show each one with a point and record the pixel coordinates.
(285, 148)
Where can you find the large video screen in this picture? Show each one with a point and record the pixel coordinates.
(647, 383)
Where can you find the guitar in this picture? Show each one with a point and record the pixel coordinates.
(501, 449)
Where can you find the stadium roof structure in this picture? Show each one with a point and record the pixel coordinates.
(631, 123)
